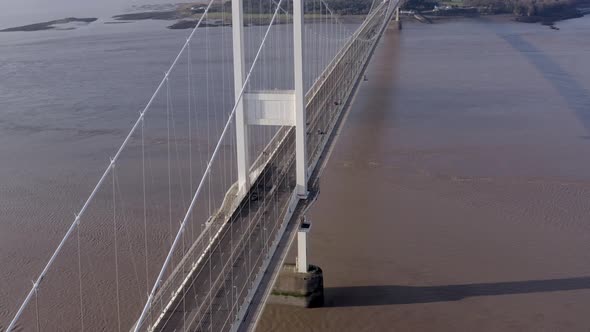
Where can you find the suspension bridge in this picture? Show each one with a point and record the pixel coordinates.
(192, 219)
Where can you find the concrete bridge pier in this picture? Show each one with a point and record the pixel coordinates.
(397, 19)
(300, 284)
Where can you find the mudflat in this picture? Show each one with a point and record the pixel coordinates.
(51, 25)
(456, 198)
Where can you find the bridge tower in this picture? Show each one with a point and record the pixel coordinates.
(287, 107)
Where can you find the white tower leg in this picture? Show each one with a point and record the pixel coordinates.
(239, 76)
(301, 125)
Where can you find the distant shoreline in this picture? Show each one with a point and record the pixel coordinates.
(188, 15)
(428, 12)
(549, 21)
(186, 19)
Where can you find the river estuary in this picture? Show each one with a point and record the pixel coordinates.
(456, 198)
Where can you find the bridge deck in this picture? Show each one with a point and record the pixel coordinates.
(215, 290)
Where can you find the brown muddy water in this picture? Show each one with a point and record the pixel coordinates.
(67, 101)
(457, 197)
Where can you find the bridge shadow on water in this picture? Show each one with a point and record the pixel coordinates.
(576, 96)
(390, 294)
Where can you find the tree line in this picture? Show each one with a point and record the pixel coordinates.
(517, 7)
(524, 7)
